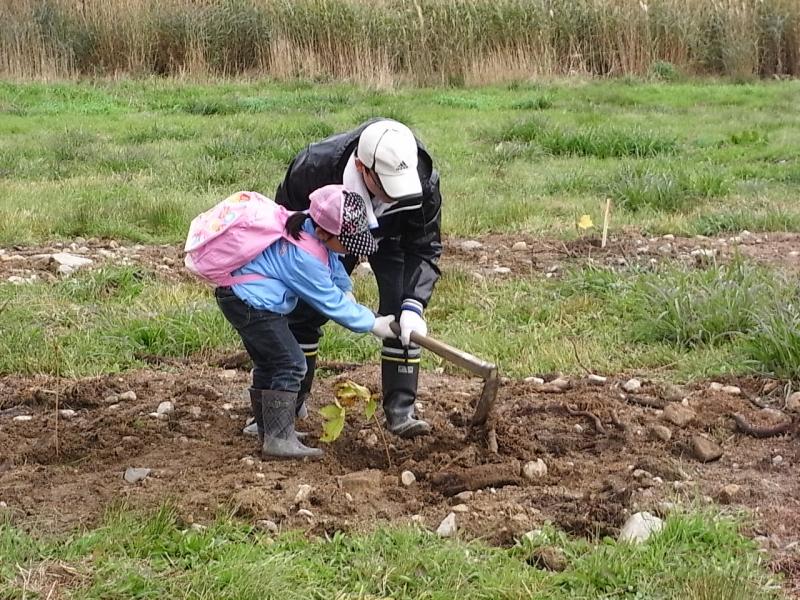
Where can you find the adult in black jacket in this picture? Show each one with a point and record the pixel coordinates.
(382, 160)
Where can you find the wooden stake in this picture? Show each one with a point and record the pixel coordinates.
(605, 223)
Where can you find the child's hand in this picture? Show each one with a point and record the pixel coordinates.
(381, 329)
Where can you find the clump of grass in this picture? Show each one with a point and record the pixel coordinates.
(592, 141)
(123, 283)
(703, 307)
(636, 188)
(663, 70)
(731, 221)
(773, 346)
(537, 103)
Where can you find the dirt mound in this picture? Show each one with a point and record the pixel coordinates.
(67, 471)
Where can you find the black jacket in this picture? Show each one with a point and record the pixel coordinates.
(416, 223)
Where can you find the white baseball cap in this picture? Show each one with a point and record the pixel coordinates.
(390, 149)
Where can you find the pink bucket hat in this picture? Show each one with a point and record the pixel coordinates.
(344, 214)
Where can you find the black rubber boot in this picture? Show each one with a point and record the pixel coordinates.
(280, 438)
(399, 395)
(301, 410)
(255, 404)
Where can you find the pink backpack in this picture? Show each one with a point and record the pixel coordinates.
(235, 231)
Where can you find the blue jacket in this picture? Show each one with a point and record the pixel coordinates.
(292, 274)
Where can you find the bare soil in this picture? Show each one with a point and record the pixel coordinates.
(495, 257)
(59, 474)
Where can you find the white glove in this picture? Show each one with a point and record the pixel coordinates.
(410, 322)
(381, 327)
(349, 295)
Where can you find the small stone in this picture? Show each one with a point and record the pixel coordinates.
(129, 396)
(159, 416)
(534, 470)
(306, 513)
(538, 380)
(113, 244)
(114, 406)
(665, 249)
(447, 528)
(471, 245)
(776, 460)
(195, 412)
(678, 415)
(66, 413)
(407, 478)
(673, 393)
(134, 475)
(729, 493)
(519, 247)
(460, 508)
(704, 449)
(267, 525)
(70, 261)
(632, 385)
(303, 493)
(642, 474)
(732, 390)
(578, 428)
(561, 383)
(553, 269)
(348, 496)
(661, 432)
(361, 482)
(165, 408)
(464, 497)
(501, 270)
(418, 519)
(227, 407)
(23, 418)
(793, 402)
(658, 480)
(668, 237)
(716, 386)
(596, 379)
(639, 527)
(248, 461)
(228, 374)
(371, 440)
(111, 399)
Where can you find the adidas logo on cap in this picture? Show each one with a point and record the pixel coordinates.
(402, 166)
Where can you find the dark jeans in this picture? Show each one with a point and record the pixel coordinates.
(279, 361)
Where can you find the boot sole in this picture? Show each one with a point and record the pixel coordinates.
(412, 431)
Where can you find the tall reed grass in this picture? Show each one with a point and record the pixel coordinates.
(384, 42)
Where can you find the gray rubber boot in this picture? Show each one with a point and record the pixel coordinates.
(399, 395)
(301, 411)
(280, 438)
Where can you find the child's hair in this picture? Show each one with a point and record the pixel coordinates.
(294, 224)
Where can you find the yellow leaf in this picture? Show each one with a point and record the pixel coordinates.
(585, 222)
(331, 411)
(349, 392)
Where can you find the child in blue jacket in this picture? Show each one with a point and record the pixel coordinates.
(292, 268)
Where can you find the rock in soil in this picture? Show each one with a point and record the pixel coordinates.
(535, 470)
(639, 527)
(447, 528)
(519, 247)
(134, 475)
(129, 396)
(704, 449)
(679, 415)
(165, 408)
(632, 385)
(303, 493)
(673, 393)
(407, 478)
(661, 432)
(361, 482)
(596, 379)
(729, 493)
(463, 497)
(732, 390)
(793, 403)
(548, 558)
(66, 413)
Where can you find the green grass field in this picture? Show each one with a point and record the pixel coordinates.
(134, 161)
(695, 557)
